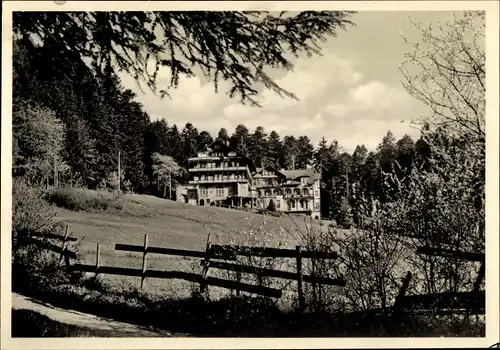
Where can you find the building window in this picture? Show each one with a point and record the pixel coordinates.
(279, 192)
(288, 191)
(316, 193)
(219, 191)
(297, 191)
(291, 205)
(316, 207)
(305, 191)
(268, 193)
(204, 192)
(278, 204)
(304, 180)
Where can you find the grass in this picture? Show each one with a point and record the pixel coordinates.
(30, 324)
(168, 224)
(78, 199)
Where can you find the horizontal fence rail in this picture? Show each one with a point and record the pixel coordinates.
(161, 250)
(276, 273)
(448, 253)
(187, 276)
(55, 248)
(54, 236)
(228, 251)
(214, 252)
(41, 239)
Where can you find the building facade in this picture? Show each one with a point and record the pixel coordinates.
(219, 174)
(292, 191)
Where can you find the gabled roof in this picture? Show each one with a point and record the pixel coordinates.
(269, 167)
(230, 149)
(296, 174)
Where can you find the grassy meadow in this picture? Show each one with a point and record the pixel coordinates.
(174, 225)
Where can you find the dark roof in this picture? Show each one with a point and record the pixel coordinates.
(269, 167)
(296, 174)
(226, 146)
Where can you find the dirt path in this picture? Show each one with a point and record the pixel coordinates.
(103, 325)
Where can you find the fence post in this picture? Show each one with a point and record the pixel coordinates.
(299, 278)
(206, 265)
(144, 260)
(398, 303)
(63, 247)
(480, 277)
(98, 253)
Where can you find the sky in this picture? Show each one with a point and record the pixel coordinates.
(352, 94)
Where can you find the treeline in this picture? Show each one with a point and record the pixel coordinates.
(99, 120)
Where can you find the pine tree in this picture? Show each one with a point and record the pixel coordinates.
(189, 136)
(405, 156)
(289, 153)
(205, 139)
(305, 153)
(175, 144)
(358, 162)
(274, 146)
(257, 147)
(240, 139)
(222, 135)
(80, 152)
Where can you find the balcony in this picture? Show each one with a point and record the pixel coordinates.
(198, 169)
(295, 195)
(195, 159)
(215, 181)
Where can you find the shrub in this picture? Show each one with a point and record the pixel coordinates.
(264, 234)
(38, 138)
(77, 199)
(271, 207)
(30, 213)
(32, 265)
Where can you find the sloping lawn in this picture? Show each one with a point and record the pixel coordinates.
(168, 224)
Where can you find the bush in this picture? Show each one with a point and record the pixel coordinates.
(30, 213)
(38, 138)
(77, 199)
(32, 265)
(271, 207)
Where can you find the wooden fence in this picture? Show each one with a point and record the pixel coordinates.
(221, 257)
(43, 240)
(473, 301)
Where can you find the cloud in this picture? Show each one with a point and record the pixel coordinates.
(335, 101)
